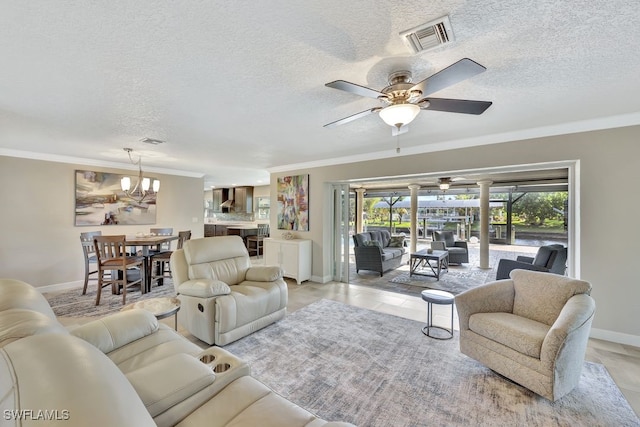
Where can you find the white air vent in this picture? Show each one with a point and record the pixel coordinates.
(151, 141)
(428, 36)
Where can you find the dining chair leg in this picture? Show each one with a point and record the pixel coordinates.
(86, 277)
(124, 287)
(99, 290)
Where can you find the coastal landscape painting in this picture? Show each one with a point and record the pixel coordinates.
(101, 201)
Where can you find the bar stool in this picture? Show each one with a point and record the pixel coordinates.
(432, 296)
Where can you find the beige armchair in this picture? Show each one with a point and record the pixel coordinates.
(532, 328)
(222, 297)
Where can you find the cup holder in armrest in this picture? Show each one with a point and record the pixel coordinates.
(221, 367)
(207, 358)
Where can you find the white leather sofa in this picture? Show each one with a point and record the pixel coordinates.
(123, 370)
(222, 297)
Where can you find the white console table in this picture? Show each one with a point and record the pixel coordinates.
(293, 256)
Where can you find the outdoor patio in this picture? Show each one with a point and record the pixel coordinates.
(456, 280)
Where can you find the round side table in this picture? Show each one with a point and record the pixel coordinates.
(160, 307)
(432, 296)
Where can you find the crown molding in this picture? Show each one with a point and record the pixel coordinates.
(92, 162)
(610, 122)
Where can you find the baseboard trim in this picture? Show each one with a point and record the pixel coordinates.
(60, 286)
(617, 337)
(321, 279)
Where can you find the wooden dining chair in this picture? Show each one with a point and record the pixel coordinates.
(112, 257)
(161, 232)
(160, 261)
(89, 252)
(255, 243)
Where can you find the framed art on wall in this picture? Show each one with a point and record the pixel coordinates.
(293, 202)
(100, 201)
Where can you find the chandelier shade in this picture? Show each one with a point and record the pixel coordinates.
(399, 115)
(144, 186)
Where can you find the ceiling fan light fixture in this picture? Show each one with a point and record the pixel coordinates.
(399, 115)
(444, 183)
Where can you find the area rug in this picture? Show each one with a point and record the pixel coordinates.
(454, 281)
(458, 279)
(373, 369)
(72, 303)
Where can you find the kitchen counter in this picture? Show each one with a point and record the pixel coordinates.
(220, 228)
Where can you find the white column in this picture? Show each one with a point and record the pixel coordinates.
(359, 211)
(484, 223)
(414, 217)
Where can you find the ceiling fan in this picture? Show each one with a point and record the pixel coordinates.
(402, 100)
(445, 182)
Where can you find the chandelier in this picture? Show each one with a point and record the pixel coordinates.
(144, 187)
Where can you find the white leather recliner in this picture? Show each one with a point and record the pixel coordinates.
(222, 297)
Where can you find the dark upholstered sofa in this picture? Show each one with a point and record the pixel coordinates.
(378, 251)
(458, 250)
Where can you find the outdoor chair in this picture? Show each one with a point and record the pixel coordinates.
(458, 250)
(548, 259)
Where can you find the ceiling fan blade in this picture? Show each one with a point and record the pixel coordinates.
(454, 73)
(457, 105)
(352, 117)
(354, 88)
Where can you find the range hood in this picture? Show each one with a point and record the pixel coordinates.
(229, 202)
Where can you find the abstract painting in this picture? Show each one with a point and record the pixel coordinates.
(293, 203)
(101, 201)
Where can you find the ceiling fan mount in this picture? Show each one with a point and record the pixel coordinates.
(402, 95)
(400, 89)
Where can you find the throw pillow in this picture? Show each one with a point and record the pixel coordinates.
(396, 241)
(373, 243)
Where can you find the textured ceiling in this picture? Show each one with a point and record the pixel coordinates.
(237, 88)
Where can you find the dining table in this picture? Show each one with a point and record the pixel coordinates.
(147, 242)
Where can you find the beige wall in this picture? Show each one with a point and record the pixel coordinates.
(608, 177)
(39, 242)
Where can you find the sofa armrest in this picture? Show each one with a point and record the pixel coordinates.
(505, 266)
(204, 288)
(578, 311)
(527, 259)
(112, 332)
(490, 298)
(461, 244)
(167, 382)
(264, 273)
(368, 250)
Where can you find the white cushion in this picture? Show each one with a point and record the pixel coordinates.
(18, 323)
(204, 288)
(114, 331)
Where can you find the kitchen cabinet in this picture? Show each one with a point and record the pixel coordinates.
(293, 256)
(211, 230)
(243, 199)
(220, 195)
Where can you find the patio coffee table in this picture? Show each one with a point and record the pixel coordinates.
(436, 261)
(160, 307)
